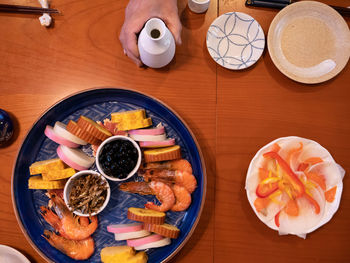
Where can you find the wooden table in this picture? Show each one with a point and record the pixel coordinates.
(232, 114)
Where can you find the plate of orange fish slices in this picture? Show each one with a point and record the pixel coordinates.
(294, 185)
(33, 207)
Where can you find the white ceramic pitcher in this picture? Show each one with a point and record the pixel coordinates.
(156, 44)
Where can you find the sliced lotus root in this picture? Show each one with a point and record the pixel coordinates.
(162, 154)
(73, 127)
(146, 215)
(165, 230)
(93, 128)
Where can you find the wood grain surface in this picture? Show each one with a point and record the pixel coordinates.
(256, 106)
(232, 114)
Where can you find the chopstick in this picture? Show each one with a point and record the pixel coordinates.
(269, 4)
(279, 4)
(26, 9)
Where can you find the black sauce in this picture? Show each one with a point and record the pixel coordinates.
(155, 33)
(118, 158)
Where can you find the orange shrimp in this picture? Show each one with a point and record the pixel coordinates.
(185, 179)
(68, 225)
(178, 164)
(55, 221)
(79, 250)
(50, 217)
(183, 198)
(164, 194)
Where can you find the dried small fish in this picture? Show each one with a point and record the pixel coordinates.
(87, 194)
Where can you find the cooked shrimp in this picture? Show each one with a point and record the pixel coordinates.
(55, 221)
(69, 225)
(164, 194)
(179, 164)
(183, 198)
(141, 188)
(52, 219)
(79, 250)
(185, 179)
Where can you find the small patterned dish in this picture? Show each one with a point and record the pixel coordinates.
(235, 40)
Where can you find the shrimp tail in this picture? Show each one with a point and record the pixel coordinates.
(79, 250)
(50, 217)
(72, 227)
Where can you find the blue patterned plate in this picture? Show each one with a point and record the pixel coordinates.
(235, 40)
(98, 104)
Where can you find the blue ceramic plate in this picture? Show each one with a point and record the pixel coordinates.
(99, 104)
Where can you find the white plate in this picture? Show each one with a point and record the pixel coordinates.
(11, 255)
(309, 42)
(330, 208)
(235, 40)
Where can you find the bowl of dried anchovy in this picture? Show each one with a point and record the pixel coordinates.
(86, 193)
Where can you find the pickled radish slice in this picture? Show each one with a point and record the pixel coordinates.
(50, 133)
(75, 158)
(60, 130)
(314, 150)
(125, 228)
(131, 235)
(330, 172)
(307, 217)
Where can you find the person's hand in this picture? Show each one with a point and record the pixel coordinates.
(136, 15)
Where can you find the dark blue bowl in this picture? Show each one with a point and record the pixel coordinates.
(6, 127)
(98, 104)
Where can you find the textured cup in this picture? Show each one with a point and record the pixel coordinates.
(198, 6)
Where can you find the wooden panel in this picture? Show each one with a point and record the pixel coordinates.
(40, 66)
(256, 106)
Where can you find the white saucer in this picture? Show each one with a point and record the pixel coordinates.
(309, 42)
(11, 255)
(235, 40)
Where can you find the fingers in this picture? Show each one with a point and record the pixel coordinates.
(175, 27)
(129, 43)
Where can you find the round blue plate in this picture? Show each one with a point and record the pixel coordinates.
(98, 104)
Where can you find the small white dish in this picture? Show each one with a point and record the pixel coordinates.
(198, 6)
(11, 255)
(104, 143)
(235, 40)
(252, 175)
(68, 186)
(309, 42)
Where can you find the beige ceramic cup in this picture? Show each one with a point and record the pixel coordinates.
(198, 6)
